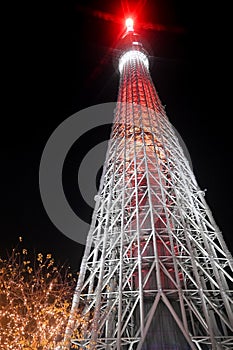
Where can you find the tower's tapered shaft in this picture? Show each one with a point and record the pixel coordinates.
(156, 273)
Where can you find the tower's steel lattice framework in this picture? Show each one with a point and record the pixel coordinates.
(156, 272)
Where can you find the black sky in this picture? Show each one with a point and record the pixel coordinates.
(58, 60)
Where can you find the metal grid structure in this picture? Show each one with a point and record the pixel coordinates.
(156, 272)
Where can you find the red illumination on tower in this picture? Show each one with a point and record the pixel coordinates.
(156, 271)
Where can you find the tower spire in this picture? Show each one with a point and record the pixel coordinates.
(156, 273)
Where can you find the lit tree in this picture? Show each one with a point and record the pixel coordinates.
(35, 298)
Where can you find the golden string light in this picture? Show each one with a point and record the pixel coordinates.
(35, 298)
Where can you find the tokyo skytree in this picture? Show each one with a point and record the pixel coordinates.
(156, 273)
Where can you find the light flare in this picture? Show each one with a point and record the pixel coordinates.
(129, 24)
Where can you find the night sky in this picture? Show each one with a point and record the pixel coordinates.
(59, 59)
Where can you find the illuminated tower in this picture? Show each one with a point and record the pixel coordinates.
(156, 273)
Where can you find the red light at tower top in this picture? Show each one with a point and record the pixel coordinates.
(129, 24)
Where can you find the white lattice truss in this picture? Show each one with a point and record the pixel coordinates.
(153, 244)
